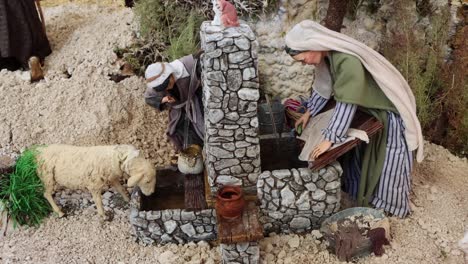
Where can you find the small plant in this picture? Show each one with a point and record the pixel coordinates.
(187, 41)
(22, 192)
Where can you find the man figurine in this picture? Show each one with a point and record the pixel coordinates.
(176, 86)
(23, 40)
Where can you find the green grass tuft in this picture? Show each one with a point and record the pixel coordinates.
(22, 192)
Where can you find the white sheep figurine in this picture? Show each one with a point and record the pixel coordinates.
(93, 168)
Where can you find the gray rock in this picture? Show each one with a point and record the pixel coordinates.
(330, 175)
(216, 65)
(248, 94)
(234, 116)
(213, 37)
(154, 228)
(332, 199)
(215, 76)
(200, 229)
(187, 216)
(253, 151)
(320, 184)
(303, 203)
(166, 215)
(228, 180)
(229, 146)
(225, 42)
(254, 140)
(230, 49)
(242, 43)
(170, 226)
(213, 104)
(287, 197)
(176, 214)
(234, 79)
(239, 56)
(233, 101)
(225, 133)
(319, 207)
(220, 153)
(166, 238)
(252, 177)
(226, 163)
(306, 174)
(280, 184)
(332, 185)
(220, 139)
(236, 170)
(215, 115)
(311, 187)
(242, 144)
(240, 153)
(319, 195)
(249, 73)
(247, 167)
(296, 176)
(281, 174)
(300, 223)
(254, 122)
(275, 215)
(188, 229)
(209, 47)
(270, 181)
(243, 121)
(214, 54)
(136, 221)
(254, 85)
(265, 175)
(215, 91)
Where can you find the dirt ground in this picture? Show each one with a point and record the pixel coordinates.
(77, 104)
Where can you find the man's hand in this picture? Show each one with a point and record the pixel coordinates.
(304, 119)
(168, 99)
(320, 149)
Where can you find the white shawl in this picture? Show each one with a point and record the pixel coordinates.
(309, 35)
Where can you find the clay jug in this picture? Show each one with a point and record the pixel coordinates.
(230, 202)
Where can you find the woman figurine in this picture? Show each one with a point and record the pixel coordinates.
(357, 76)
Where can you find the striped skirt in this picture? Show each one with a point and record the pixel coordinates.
(392, 192)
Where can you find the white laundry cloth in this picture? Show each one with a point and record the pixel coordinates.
(312, 134)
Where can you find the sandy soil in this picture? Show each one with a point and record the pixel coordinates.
(88, 109)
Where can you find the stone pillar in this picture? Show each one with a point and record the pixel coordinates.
(230, 95)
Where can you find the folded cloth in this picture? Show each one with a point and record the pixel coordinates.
(312, 134)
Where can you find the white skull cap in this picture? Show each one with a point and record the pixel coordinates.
(157, 73)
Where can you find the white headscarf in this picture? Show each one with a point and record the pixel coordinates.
(162, 70)
(310, 35)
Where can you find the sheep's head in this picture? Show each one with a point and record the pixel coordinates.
(142, 174)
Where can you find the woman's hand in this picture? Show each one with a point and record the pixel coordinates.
(304, 119)
(320, 149)
(168, 99)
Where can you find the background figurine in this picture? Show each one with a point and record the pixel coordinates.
(225, 14)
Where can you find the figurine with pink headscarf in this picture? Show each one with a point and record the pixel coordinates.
(225, 14)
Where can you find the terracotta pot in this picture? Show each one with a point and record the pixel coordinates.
(230, 202)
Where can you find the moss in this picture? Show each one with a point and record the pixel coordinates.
(22, 191)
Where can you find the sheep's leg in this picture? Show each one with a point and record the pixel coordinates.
(98, 201)
(51, 201)
(121, 190)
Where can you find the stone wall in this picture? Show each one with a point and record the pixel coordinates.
(246, 253)
(297, 200)
(230, 94)
(171, 226)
